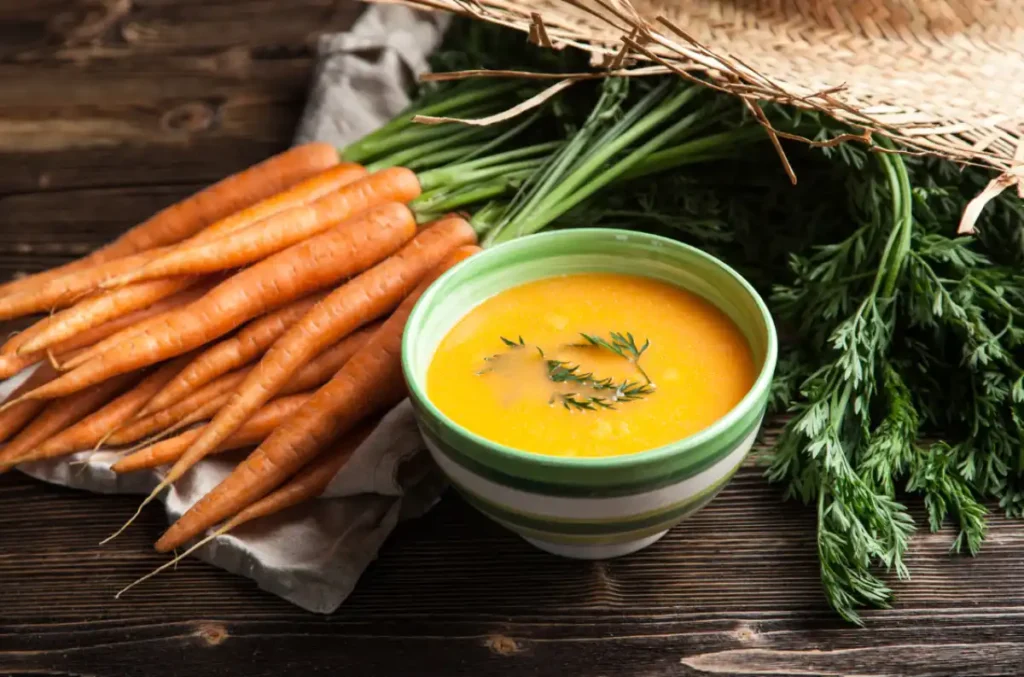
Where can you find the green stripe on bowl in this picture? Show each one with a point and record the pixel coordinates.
(603, 538)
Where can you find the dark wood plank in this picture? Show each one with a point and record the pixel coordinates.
(113, 93)
(200, 160)
(72, 222)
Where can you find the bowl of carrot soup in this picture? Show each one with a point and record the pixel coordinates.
(590, 389)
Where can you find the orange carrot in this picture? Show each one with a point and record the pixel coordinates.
(213, 240)
(13, 364)
(10, 347)
(15, 418)
(202, 403)
(349, 248)
(91, 430)
(58, 415)
(361, 300)
(372, 379)
(254, 431)
(70, 349)
(231, 353)
(160, 311)
(308, 484)
(206, 401)
(68, 290)
(300, 193)
(282, 230)
(185, 218)
(92, 312)
(319, 371)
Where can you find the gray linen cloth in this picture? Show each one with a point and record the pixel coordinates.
(313, 554)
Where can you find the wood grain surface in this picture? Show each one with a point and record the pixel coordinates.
(110, 110)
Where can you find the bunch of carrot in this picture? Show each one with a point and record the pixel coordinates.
(267, 309)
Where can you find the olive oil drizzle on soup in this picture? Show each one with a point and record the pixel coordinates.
(590, 365)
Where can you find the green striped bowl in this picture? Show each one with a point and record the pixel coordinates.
(586, 507)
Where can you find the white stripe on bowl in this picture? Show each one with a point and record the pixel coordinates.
(580, 508)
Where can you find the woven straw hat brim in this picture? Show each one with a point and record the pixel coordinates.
(939, 76)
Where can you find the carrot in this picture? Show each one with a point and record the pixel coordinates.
(203, 403)
(93, 428)
(160, 310)
(207, 400)
(65, 289)
(212, 240)
(231, 353)
(94, 311)
(58, 415)
(15, 418)
(352, 246)
(241, 350)
(185, 218)
(300, 193)
(10, 347)
(69, 289)
(13, 364)
(284, 229)
(364, 298)
(308, 484)
(254, 431)
(372, 379)
(70, 349)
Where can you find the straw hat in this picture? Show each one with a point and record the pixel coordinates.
(939, 76)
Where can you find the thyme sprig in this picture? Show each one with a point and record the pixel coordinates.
(563, 371)
(623, 345)
(497, 356)
(560, 371)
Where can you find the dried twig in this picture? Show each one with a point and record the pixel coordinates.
(589, 75)
(531, 103)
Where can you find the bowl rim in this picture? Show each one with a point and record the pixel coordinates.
(673, 449)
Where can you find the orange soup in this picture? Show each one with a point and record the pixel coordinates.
(590, 365)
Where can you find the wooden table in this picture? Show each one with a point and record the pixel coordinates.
(110, 110)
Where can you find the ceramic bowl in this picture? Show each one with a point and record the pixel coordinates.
(589, 508)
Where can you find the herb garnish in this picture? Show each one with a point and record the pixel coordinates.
(623, 345)
(493, 358)
(561, 371)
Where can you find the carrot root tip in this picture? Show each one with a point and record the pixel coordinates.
(173, 562)
(149, 499)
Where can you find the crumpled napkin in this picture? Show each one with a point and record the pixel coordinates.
(313, 554)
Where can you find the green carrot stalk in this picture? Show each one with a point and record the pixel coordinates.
(568, 183)
(455, 155)
(451, 100)
(614, 141)
(705, 149)
(559, 203)
(448, 200)
(417, 151)
(536, 187)
(446, 177)
(503, 138)
(484, 219)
